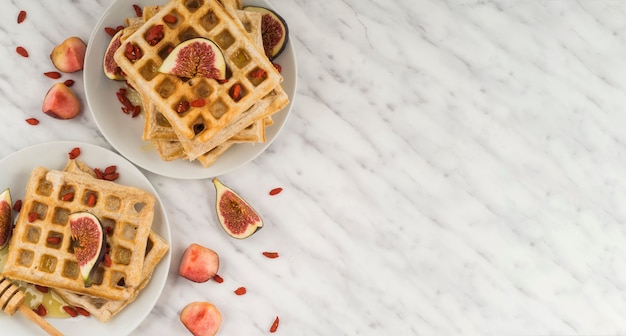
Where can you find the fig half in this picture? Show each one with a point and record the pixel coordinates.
(110, 67)
(89, 243)
(6, 218)
(237, 217)
(273, 29)
(195, 57)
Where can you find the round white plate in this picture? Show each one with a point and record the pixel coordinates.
(16, 169)
(124, 133)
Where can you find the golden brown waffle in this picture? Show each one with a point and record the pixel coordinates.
(198, 18)
(103, 309)
(32, 258)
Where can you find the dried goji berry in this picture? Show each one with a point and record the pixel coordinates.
(240, 291)
(138, 10)
(183, 106)
(271, 255)
(275, 191)
(169, 18)
(21, 51)
(52, 74)
(32, 216)
(274, 326)
(258, 73)
(110, 31)
(70, 311)
(218, 278)
(21, 16)
(198, 102)
(17, 206)
(110, 169)
(91, 200)
(69, 82)
(82, 311)
(107, 260)
(74, 153)
(235, 92)
(42, 289)
(278, 67)
(53, 240)
(67, 197)
(32, 121)
(41, 310)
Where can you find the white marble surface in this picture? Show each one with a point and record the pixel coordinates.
(449, 167)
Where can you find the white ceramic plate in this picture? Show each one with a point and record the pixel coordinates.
(16, 169)
(124, 133)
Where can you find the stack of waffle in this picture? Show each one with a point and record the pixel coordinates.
(133, 247)
(202, 133)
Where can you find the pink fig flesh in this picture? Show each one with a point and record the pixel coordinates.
(201, 318)
(199, 264)
(61, 102)
(69, 56)
(111, 69)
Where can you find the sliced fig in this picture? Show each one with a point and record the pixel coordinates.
(237, 217)
(6, 218)
(273, 29)
(199, 57)
(111, 69)
(89, 243)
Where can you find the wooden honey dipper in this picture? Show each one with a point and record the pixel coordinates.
(12, 299)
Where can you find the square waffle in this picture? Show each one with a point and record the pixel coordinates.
(129, 211)
(208, 19)
(103, 309)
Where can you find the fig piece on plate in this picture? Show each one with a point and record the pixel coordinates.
(201, 318)
(199, 263)
(274, 30)
(89, 243)
(237, 217)
(111, 69)
(69, 56)
(197, 57)
(6, 218)
(61, 102)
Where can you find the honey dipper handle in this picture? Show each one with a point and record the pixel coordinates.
(43, 324)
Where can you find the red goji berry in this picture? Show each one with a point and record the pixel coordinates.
(138, 10)
(69, 82)
(21, 51)
(271, 255)
(21, 16)
(275, 191)
(218, 278)
(107, 260)
(240, 291)
(74, 153)
(82, 311)
(274, 326)
(198, 102)
(17, 206)
(42, 289)
(32, 121)
(52, 74)
(32, 216)
(70, 311)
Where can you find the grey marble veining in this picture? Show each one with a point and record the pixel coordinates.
(449, 168)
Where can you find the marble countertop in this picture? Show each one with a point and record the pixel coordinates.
(448, 168)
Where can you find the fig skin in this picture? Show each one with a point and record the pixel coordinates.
(201, 318)
(60, 102)
(87, 262)
(110, 67)
(235, 215)
(272, 47)
(69, 56)
(6, 218)
(194, 58)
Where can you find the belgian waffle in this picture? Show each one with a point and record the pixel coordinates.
(208, 19)
(32, 258)
(103, 309)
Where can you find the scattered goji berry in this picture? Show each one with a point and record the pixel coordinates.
(17, 206)
(21, 51)
(42, 289)
(274, 326)
(107, 260)
(21, 16)
(218, 278)
(240, 291)
(169, 18)
(67, 197)
(138, 10)
(32, 216)
(82, 311)
(271, 255)
(53, 240)
(91, 200)
(278, 67)
(198, 102)
(32, 121)
(70, 311)
(74, 153)
(69, 82)
(275, 191)
(110, 31)
(52, 74)
(41, 310)
(235, 92)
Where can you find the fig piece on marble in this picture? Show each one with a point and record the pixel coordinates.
(110, 67)
(6, 218)
(89, 241)
(235, 215)
(201, 318)
(60, 102)
(274, 30)
(197, 57)
(69, 56)
(199, 263)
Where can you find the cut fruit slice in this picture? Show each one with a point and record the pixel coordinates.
(60, 102)
(69, 56)
(89, 243)
(237, 217)
(197, 57)
(6, 218)
(110, 67)
(199, 263)
(274, 30)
